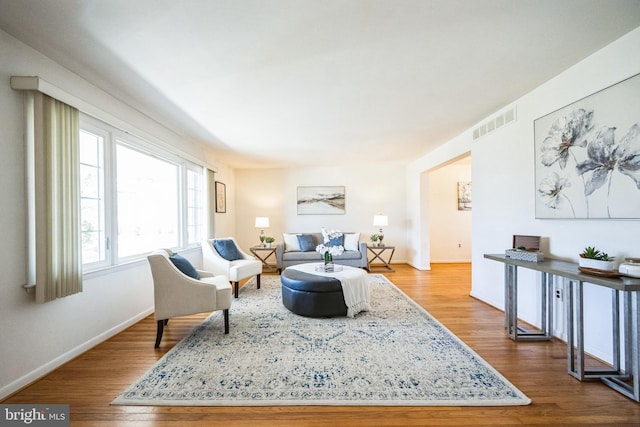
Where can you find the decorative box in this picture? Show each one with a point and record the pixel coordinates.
(523, 255)
(530, 253)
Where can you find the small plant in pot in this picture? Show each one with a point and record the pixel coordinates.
(374, 238)
(594, 258)
(269, 240)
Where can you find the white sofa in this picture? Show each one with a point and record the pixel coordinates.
(289, 252)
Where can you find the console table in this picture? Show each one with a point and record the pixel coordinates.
(625, 381)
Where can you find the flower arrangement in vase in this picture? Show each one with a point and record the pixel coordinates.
(330, 248)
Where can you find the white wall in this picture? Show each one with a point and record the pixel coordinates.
(35, 338)
(450, 228)
(369, 190)
(503, 193)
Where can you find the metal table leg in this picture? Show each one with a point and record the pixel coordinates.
(516, 332)
(627, 382)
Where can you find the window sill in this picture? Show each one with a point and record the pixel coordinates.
(126, 265)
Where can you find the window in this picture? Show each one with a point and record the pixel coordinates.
(92, 198)
(148, 211)
(135, 197)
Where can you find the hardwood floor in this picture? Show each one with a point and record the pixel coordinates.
(90, 382)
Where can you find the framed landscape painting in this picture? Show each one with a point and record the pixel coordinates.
(327, 200)
(587, 156)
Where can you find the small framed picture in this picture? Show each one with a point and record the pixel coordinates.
(464, 195)
(221, 197)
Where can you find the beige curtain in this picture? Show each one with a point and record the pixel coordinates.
(55, 199)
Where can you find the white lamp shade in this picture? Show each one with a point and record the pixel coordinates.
(380, 220)
(262, 222)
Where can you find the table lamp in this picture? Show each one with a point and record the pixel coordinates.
(262, 222)
(380, 221)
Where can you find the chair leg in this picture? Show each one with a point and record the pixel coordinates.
(226, 320)
(258, 279)
(235, 289)
(161, 324)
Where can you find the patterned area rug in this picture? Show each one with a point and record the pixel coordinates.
(396, 354)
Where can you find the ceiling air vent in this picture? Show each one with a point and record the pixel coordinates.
(495, 123)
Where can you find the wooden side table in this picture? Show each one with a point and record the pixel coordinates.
(263, 253)
(378, 252)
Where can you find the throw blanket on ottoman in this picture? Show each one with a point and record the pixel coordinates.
(355, 287)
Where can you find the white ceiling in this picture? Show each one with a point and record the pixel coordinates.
(293, 82)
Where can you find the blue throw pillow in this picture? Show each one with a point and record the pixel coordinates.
(227, 249)
(337, 241)
(306, 243)
(185, 266)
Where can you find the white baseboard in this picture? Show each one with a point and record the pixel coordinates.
(494, 304)
(425, 267)
(48, 367)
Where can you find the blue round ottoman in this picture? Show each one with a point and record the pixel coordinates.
(312, 296)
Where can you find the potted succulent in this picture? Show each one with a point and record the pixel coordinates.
(374, 238)
(269, 240)
(594, 258)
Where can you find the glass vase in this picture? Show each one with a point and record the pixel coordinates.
(328, 259)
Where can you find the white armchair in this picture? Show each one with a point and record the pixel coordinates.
(176, 294)
(233, 262)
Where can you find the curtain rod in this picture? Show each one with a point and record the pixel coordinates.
(39, 84)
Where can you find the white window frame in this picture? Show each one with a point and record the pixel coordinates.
(200, 204)
(112, 137)
(91, 127)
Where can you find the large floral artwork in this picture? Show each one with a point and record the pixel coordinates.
(587, 156)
